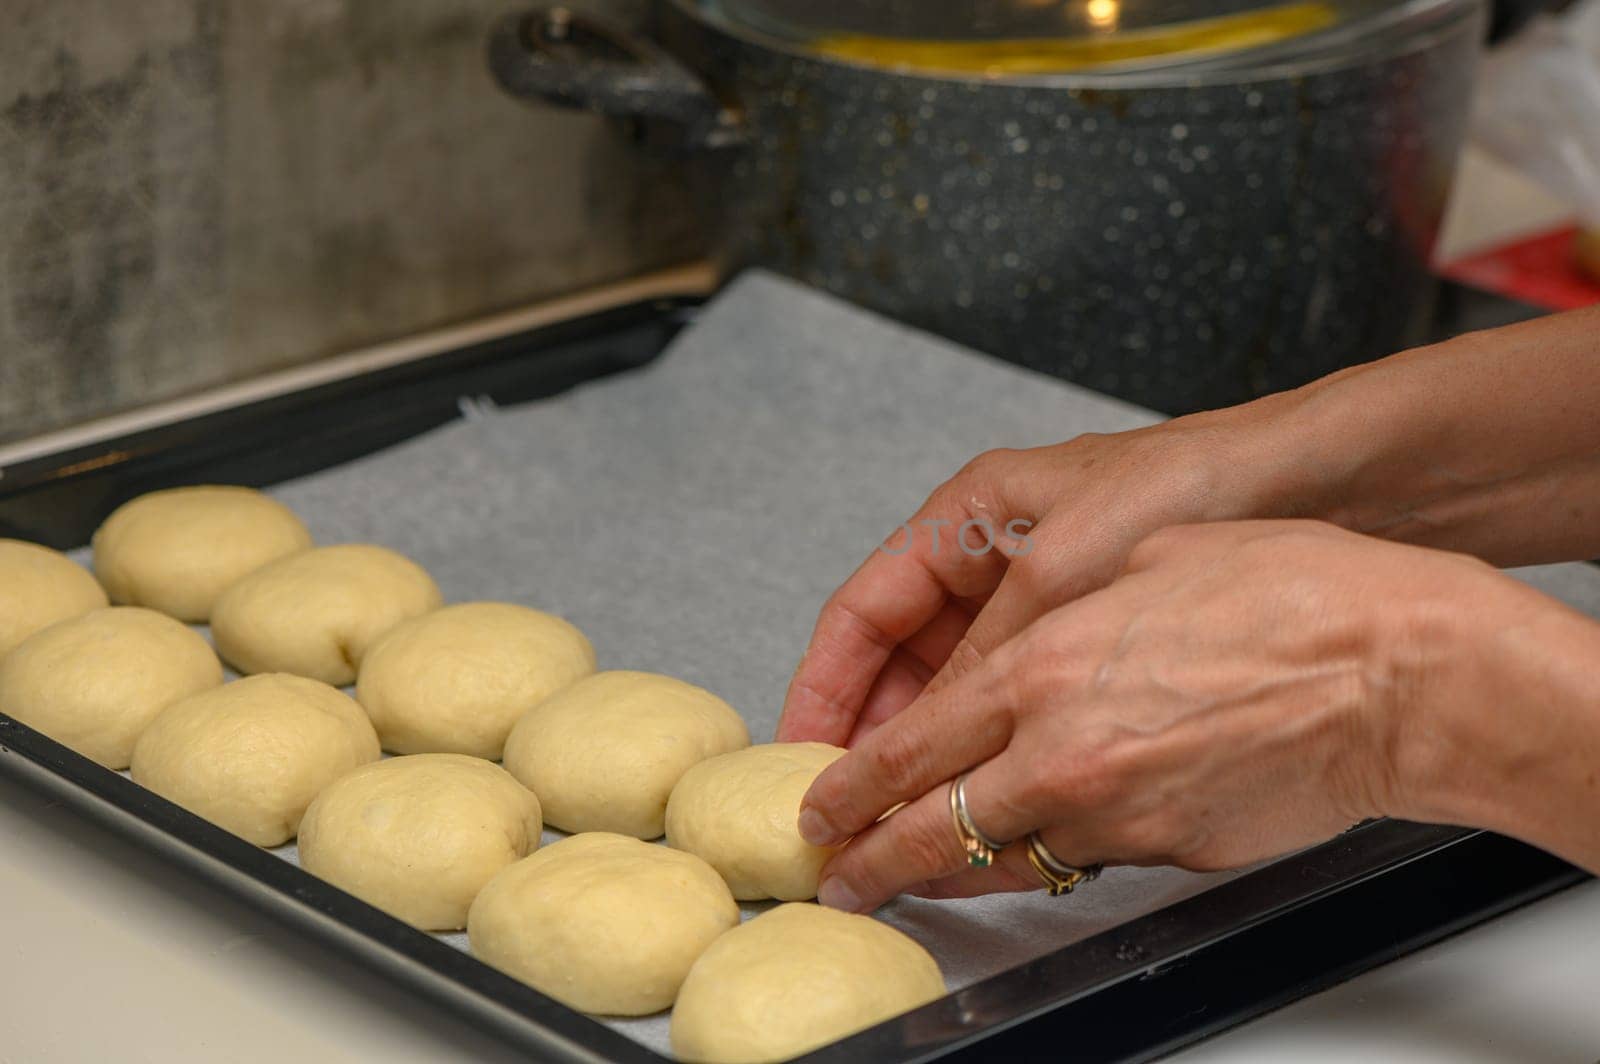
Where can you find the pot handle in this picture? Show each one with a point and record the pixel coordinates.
(577, 61)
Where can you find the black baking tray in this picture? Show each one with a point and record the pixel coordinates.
(1137, 991)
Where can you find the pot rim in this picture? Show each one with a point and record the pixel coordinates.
(1405, 27)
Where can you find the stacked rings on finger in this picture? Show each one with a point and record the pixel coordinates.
(980, 848)
(1059, 877)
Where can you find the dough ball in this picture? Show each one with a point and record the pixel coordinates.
(795, 978)
(249, 756)
(600, 922)
(738, 812)
(604, 753)
(419, 836)
(315, 613)
(38, 587)
(457, 679)
(177, 550)
(94, 683)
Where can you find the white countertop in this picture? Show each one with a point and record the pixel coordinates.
(1523, 988)
(108, 953)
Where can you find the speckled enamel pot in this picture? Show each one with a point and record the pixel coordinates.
(1183, 240)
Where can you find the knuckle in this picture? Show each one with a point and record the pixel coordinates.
(892, 763)
(990, 462)
(1099, 775)
(1159, 544)
(846, 613)
(1021, 680)
(832, 607)
(930, 847)
(1190, 846)
(1286, 536)
(905, 848)
(1089, 789)
(1034, 668)
(1148, 837)
(1035, 788)
(1083, 450)
(1031, 577)
(984, 483)
(964, 658)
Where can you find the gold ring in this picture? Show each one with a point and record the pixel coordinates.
(980, 848)
(1059, 877)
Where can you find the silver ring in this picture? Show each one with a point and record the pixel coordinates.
(980, 848)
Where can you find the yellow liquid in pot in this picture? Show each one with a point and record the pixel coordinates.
(1045, 55)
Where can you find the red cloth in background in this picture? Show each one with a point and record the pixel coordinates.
(1538, 270)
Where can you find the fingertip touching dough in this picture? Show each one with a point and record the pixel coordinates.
(602, 923)
(251, 755)
(795, 978)
(315, 613)
(94, 683)
(457, 679)
(419, 836)
(177, 550)
(38, 587)
(604, 753)
(738, 812)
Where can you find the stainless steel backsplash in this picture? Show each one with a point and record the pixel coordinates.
(194, 191)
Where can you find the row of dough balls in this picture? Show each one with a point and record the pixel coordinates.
(611, 924)
(173, 551)
(492, 680)
(421, 836)
(608, 924)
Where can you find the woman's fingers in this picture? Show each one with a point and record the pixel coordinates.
(1235, 694)
(888, 599)
(905, 586)
(935, 739)
(1063, 559)
(918, 843)
(1018, 718)
(905, 675)
(1009, 874)
(970, 719)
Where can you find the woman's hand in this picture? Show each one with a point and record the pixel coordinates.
(1452, 445)
(922, 610)
(1241, 690)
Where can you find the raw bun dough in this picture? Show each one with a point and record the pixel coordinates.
(603, 923)
(457, 679)
(95, 682)
(177, 550)
(419, 836)
(315, 613)
(249, 756)
(795, 978)
(38, 587)
(738, 812)
(605, 753)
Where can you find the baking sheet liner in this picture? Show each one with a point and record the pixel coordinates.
(692, 516)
